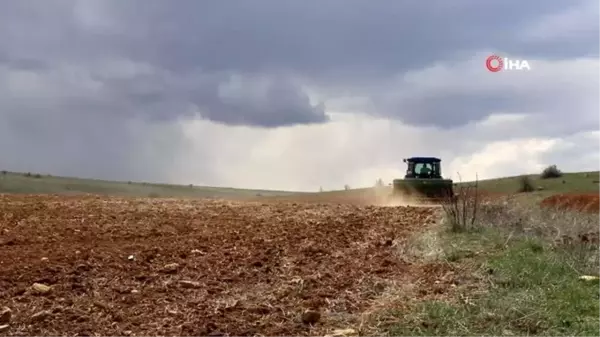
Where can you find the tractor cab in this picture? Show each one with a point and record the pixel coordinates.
(423, 168)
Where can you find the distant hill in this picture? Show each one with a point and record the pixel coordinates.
(14, 182)
(574, 182)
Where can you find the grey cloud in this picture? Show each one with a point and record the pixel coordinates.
(451, 110)
(336, 35)
(233, 99)
(88, 146)
(109, 77)
(577, 153)
(272, 103)
(342, 43)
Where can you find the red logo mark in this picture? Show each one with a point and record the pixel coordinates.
(494, 68)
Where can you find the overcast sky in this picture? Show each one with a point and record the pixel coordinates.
(296, 94)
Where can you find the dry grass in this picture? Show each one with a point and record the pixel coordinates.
(520, 264)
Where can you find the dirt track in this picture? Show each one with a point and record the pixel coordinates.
(196, 267)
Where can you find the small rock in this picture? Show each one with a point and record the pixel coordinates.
(131, 258)
(101, 305)
(41, 288)
(170, 268)
(40, 316)
(189, 284)
(135, 291)
(343, 332)
(44, 259)
(311, 317)
(5, 315)
(4, 328)
(198, 251)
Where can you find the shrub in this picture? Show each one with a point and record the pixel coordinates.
(551, 172)
(525, 185)
(460, 209)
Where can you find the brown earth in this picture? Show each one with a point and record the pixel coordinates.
(578, 202)
(117, 266)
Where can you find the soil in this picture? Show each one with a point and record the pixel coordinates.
(117, 266)
(578, 202)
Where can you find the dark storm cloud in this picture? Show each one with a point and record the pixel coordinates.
(95, 87)
(85, 140)
(270, 102)
(339, 42)
(234, 99)
(331, 36)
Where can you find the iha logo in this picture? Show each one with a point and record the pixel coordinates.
(495, 63)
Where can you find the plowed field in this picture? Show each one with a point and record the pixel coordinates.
(577, 202)
(114, 266)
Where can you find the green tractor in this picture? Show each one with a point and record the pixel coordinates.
(423, 181)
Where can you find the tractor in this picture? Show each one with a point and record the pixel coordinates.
(423, 181)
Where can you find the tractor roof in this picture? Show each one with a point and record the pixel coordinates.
(424, 159)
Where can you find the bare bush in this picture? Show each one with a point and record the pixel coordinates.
(461, 208)
(525, 185)
(551, 172)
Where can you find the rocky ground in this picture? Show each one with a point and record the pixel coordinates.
(112, 266)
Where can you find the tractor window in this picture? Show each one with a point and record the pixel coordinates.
(425, 170)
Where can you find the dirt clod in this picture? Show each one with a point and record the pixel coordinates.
(5, 315)
(311, 317)
(170, 268)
